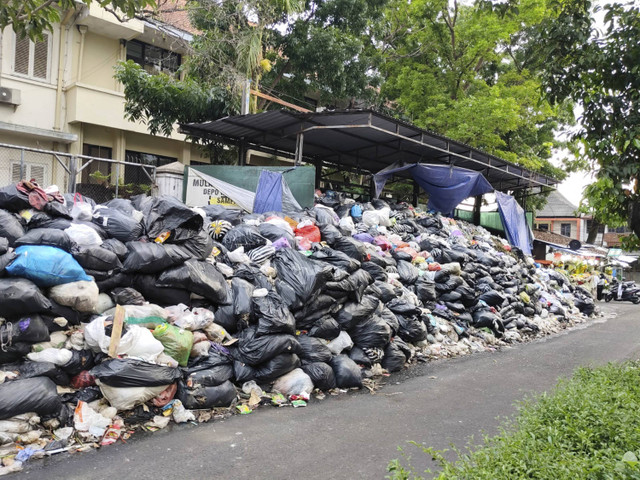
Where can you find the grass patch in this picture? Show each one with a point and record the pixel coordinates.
(587, 427)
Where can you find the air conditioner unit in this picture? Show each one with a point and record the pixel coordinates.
(9, 96)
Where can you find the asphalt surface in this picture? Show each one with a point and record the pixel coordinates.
(355, 435)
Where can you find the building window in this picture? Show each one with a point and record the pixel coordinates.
(136, 175)
(543, 226)
(90, 172)
(32, 171)
(565, 229)
(32, 59)
(589, 225)
(153, 59)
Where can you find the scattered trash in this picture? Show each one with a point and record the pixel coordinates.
(136, 313)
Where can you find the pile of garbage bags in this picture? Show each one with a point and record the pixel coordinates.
(230, 310)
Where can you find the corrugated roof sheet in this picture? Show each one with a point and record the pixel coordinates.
(361, 140)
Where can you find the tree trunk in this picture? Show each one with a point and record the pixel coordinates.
(634, 217)
(593, 231)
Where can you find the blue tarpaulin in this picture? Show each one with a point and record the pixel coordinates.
(447, 186)
(514, 221)
(273, 194)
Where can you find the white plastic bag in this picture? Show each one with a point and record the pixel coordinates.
(148, 315)
(57, 356)
(296, 382)
(348, 225)
(56, 340)
(340, 343)
(83, 235)
(238, 256)
(137, 342)
(129, 397)
(196, 319)
(86, 419)
(82, 211)
(81, 296)
(181, 414)
(104, 303)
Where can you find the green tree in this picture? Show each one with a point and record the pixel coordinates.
(30, 18)
(463, 71)
(288, 48)
(600, 71)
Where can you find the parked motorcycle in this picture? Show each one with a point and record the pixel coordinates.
(623, 292)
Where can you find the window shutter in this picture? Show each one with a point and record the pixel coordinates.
(15, 173)
(22, 56)
(41, 57)
(37, 173)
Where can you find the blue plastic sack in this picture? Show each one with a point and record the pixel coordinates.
(356, 211)
(46, 266)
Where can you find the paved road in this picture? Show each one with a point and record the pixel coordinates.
(354, 436)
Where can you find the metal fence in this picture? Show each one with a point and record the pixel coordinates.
(101, 179)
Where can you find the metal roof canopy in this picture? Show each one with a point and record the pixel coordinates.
(361, 141)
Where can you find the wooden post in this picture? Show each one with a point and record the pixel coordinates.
(116, 332)
(416, 193)
(476, 209)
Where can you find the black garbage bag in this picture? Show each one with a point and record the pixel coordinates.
(371, 332)
(408, 273)
(4, 245)
(146, 285)
(253, 275)
(225, 318)
(319, 307)
(221, 395)
(313, 349)
(14, 352)
(276, 367)
(400, 306)
(42, 220)
(128, 372)
(80, 361)
(258, 350)
(457, 307)
(355, 284)
(321, 374)
(153, 257)
(425, 290)
(273, 316)
(126, 296)
(325, 216)
(357, 355)
(383, 261)
(388, 292)
(394, 359)
(116, 246)
(198, 244)
(5, 259)
(210, 377)
(242, 297)
(377, 272)
(584, 304)
(243, 372)
(351, 247)
(117, 224)
(346, 371)
(274, 232)
(412, 329)
(330, 233)
(246, 236)
(492, 298)
(354, 312)
(118, 279)
(19, 296)
(325, 327)
(453, 296)
(45, 236)
(199, 277)
(401, 256)
(305, 277)
(218, 212)
(37, 395)
(10, 226)
(336, 258)
(168, 214)
(29, 369)
(13, 199)
(28, 329)
(467, 295)
(97, 258)
(486, 319)
(390, 318)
